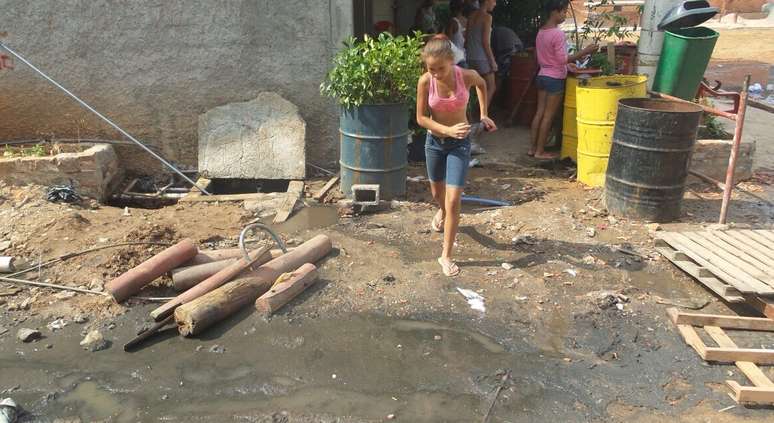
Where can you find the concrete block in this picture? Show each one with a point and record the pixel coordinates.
(93, 171)
(366, 194)
(710, 157)
(264, 138)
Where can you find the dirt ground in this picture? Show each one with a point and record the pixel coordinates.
(579, 324)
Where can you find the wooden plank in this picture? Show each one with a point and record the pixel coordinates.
(759, 238)
(738, 263)
(751, 244)
(722, 289)
(763, 258)
(753, 372)
(227, 197)
(326, 188)
(295, 189)
(717, 265)
(766, 234)
(727, 322)
(692, 338)
(765, 306)
(749, 395)
(730, 355)
(766, 266)
(734, 277)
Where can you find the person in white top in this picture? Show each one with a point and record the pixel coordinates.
(455, 31)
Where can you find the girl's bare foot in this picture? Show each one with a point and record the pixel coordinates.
(450, 268)
(437, 223)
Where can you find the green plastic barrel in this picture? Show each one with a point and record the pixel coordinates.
(684, 58)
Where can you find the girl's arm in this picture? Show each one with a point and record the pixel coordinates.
(586, 51)
(472, 78)
(486, 38)
(424, 118)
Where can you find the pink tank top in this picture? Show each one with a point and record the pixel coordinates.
(458, 100)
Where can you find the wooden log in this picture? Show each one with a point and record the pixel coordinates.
(208, 284)
(287, 287)
(208, 256)
(185, 277)
(194, 317)
(136, 278)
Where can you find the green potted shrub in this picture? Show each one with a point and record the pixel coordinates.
(374, 81)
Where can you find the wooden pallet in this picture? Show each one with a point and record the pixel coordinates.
(722, 260)
(681, 260)
(762, 391)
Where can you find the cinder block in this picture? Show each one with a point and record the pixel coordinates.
(366, 194)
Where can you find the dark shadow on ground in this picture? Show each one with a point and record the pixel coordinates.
(539, 251)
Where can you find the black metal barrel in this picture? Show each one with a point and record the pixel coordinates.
(652, 145)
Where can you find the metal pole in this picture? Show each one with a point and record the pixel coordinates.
(108, 121)
(729, 185)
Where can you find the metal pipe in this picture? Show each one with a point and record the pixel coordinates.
(707, 109)
(98, 114)
(734, 151)
(722, 186)
(259, 225)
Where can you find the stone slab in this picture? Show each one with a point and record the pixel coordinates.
(264, 138)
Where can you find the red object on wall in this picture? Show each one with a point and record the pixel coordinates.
(5, 62)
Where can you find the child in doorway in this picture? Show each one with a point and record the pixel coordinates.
(551, 47)
(442, 100)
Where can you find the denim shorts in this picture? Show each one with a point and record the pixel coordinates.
(551, 85)
(447, 160)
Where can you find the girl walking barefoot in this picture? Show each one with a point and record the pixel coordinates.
(442, 100)
(551, 47)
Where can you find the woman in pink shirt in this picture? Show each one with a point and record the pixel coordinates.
(551, 47)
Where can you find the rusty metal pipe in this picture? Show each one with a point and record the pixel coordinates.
(136, 278)
(208, 256)
(209, 284)
(729, 185)
(186, 277)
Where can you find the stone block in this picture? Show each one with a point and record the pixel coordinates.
(264, 138)
(710, 157)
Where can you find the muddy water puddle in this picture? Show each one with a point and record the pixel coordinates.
(359, 366)
(315, 217)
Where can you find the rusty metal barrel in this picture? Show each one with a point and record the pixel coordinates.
(374, 139)
(652, 146)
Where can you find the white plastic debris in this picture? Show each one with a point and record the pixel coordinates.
(507, 266)
(571, 272)
(475, 300)
(8, 412)
(56, 324)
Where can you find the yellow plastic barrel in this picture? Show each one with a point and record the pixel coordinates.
(569, 123)
(597, 108)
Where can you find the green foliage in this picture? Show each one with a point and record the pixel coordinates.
(378, 70)
(36, 150)
(605, 24)
(599, 61)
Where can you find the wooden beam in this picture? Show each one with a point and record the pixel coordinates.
(287, 287)
(295, 189)
(750, 395)
(764, 305)
(227, 197)
(326, 188)
(692, 338)
(727, 322)
(731, 355)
